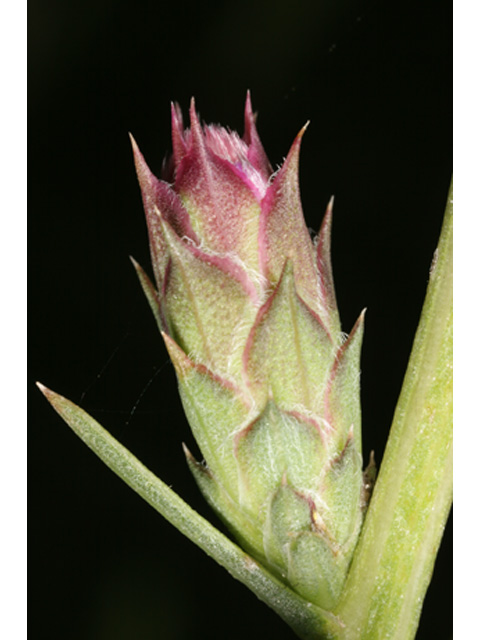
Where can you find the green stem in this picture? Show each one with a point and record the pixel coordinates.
(394, 560)
(308, 621)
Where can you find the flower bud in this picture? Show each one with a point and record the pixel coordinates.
(269, 384)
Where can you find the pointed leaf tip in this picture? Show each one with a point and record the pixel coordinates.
(143, 171)
(355, 337)
(153, 298)
(147, 181)
(283, 231)
(178, 143)
(176, 113)
(62, 405)
(145, 177)
(52, 397)
(301, 133)
(42, 388)
(327, 217)
(194, 119)
(342, 398)
(179, 359)
(292, 158)
(188, 454)
(249, 115)
(324, 268)
(256, 152)
(360, 321)
(132, 140)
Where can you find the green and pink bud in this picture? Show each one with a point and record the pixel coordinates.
(270, 386)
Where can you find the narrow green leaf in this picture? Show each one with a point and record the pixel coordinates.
(308, 621)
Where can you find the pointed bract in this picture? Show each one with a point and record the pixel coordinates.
(159, 201)
(342, 489)
(288, 336)
(178, 143)
(324, 267)
(154, 300)
(247, 307)
(275, 445)
(256, 152)
(206, 396)
(208, 309)
(288, 514)
(283, 233)
(342, 394)
(245, 530)
(314, 570)
(223, 209)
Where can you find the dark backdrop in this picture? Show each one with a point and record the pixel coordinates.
(374, 78)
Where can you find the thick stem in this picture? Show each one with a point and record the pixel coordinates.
(394, 560)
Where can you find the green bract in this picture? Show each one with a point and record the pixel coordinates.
(270, 385)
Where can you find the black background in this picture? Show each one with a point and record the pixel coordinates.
(374, 78)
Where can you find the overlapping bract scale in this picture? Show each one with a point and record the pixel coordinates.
(306, 352)
(247, 308)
